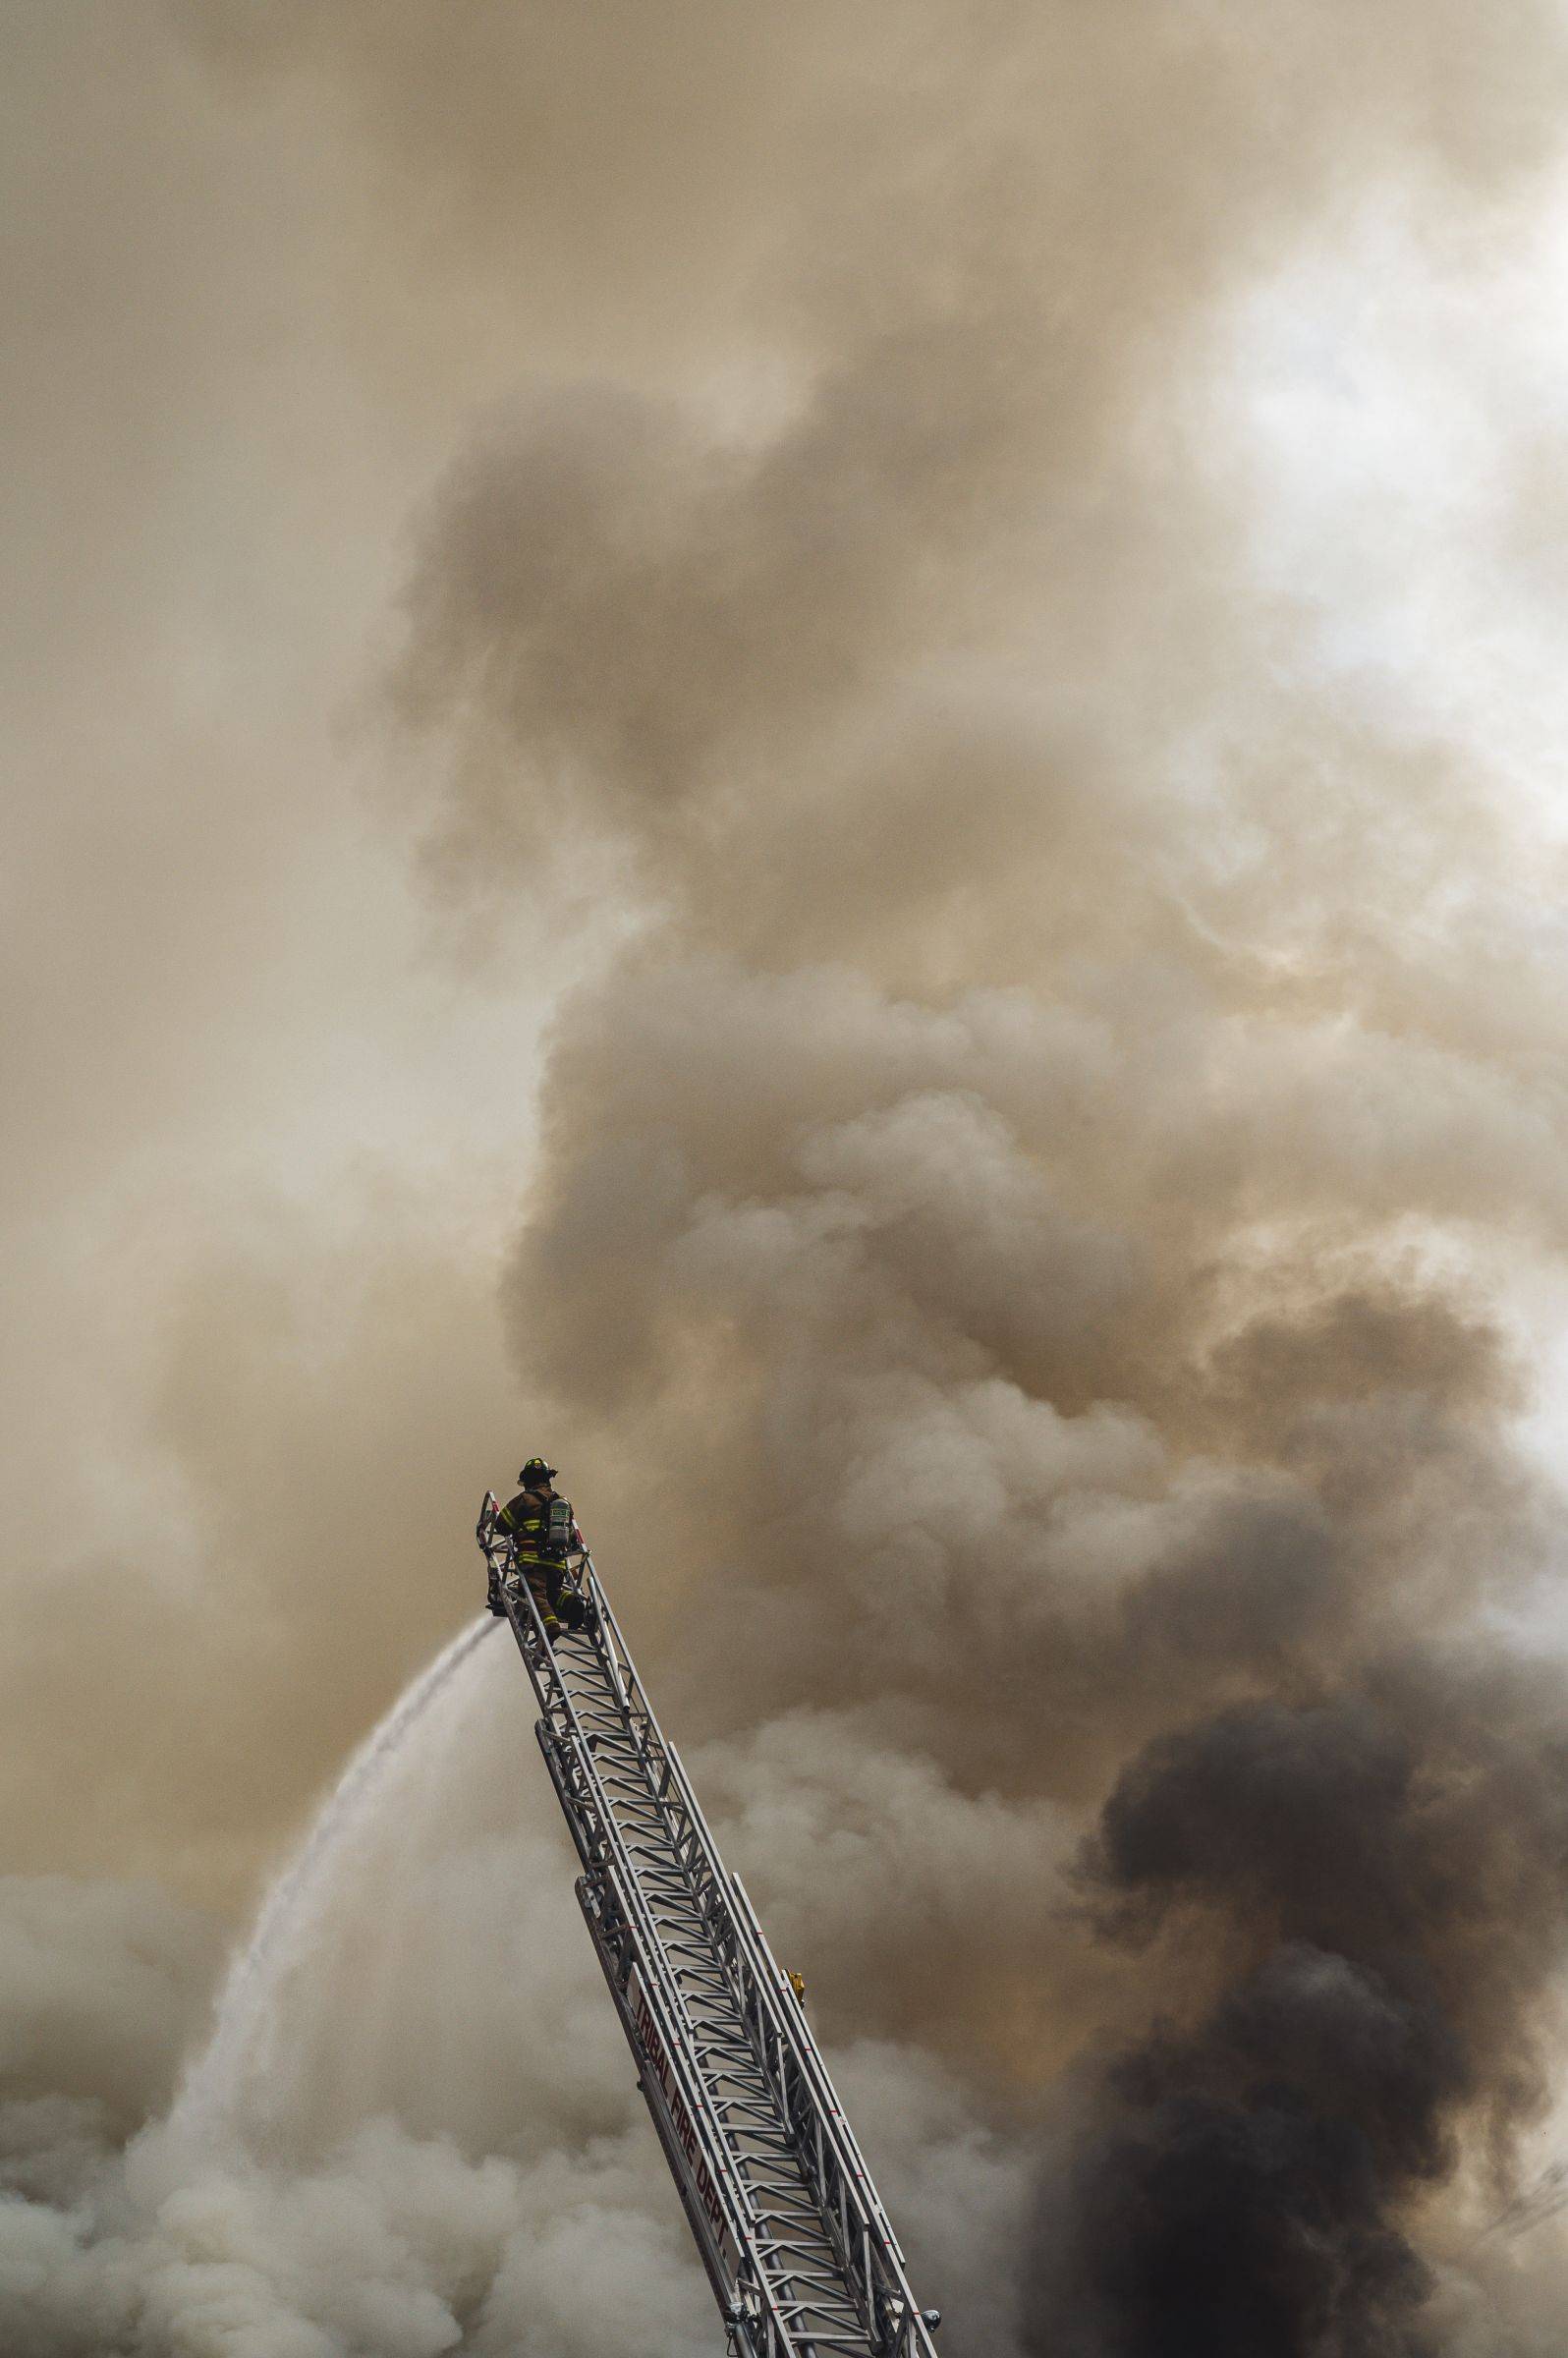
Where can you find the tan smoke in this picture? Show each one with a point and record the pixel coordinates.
(1034, 1193)
(995, 1254)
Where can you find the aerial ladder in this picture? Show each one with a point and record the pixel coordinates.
(798, 2248)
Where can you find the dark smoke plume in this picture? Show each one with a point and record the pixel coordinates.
(1384, 1875)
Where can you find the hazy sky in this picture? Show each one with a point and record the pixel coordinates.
(817, 754)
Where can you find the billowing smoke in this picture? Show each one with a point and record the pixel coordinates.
(1384, 1873)
(1013, 1251)
(1044, 1190)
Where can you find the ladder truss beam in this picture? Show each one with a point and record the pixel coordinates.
(798, 2248)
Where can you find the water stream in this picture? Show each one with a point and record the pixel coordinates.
(207, 2106)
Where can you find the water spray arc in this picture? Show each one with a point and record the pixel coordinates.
(206, 2108)
(798, 2248)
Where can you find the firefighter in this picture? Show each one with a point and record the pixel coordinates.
(541, 1521)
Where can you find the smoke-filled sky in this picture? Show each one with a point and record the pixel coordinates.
(814, 754)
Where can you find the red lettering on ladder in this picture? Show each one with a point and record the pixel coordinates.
(648, 2032)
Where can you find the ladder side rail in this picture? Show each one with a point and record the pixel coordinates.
(756, 2323)
(830, 2153)
(750, 1936)
(875, 2260)
(592, 1822)
(619, 1951)
(746, 2299)
(827, 2154)
(807, 2049)
(669, 1790)
(871, 2259)
(598, 1914)
(583, 1797)
(835, 2179)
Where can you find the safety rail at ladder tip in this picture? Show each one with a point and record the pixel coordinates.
(800, 2252)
